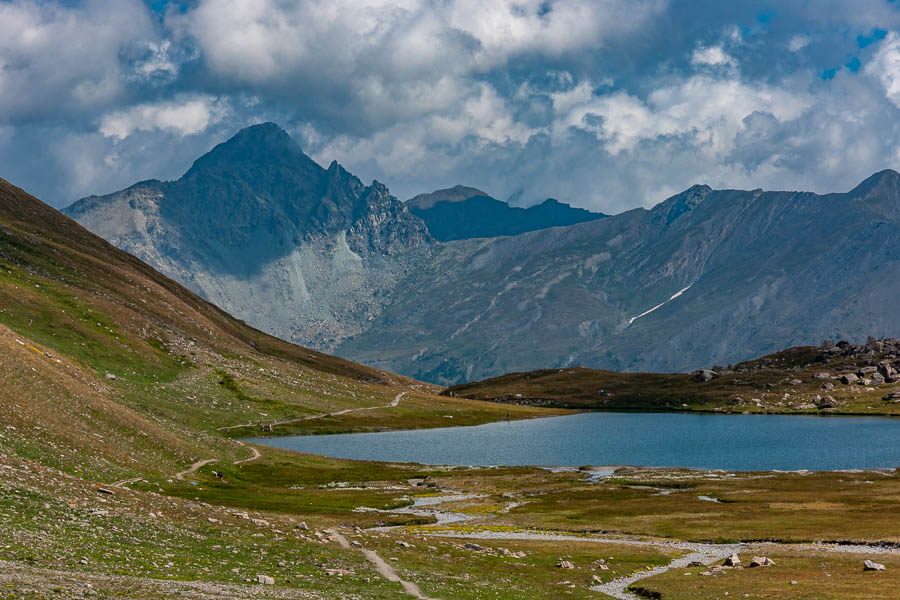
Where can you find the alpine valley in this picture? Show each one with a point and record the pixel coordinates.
(455, 285)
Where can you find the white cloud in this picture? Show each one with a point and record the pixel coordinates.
(885, 66)
(798, 42)
(62, 59)
(185, 117)
(712, 56)
(707, 112)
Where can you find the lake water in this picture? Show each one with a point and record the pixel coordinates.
(733, 442)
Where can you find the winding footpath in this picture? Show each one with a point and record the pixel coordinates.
(384, 569)
(193, 468)
(345, 411)
(256, 454)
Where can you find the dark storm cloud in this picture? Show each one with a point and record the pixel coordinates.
(608, 104)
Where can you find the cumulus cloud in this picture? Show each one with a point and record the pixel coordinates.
(885, 66)
(591, 101)
(712, 56)
(706, 112)
(798, 42)
(60, 60)
(184, 117)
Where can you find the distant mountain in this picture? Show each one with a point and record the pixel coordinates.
(259, 228)
(705, 277)
(461, 212)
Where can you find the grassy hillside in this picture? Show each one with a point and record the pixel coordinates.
(796, 380)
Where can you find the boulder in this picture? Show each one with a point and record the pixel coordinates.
(472, 546)
(827, 386)
(703, 375)
(892, 397)
(849, 378)
(761, 561)
(564, 564)
(110, 376)
(265, 580)
(732, 561)
(877, 379)
(822, 375)
(826, 402)
(873, 566)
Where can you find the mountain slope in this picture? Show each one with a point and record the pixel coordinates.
(256, 226)
(462, 212)
(705, 277)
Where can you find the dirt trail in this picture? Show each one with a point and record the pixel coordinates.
(124, 482)
(256, 454)
(383, 568)
(194, 467)
(345, 411)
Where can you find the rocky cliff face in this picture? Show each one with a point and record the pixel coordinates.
(256, 226)
(706, 277)
(461, 212)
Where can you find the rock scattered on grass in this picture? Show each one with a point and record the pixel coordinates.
(761, 561)
(873, 566)
(732, 561)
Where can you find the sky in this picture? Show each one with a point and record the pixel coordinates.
(605, 104)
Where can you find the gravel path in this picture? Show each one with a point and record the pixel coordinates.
(384, 569)
(124, 482)
(194, 467)
(256, 454)
(391, 404)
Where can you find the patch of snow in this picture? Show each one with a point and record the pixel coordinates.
(660, 305)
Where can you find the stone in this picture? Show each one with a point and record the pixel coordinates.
(106, 491)
(761, 561)
(403, 544)
(472, 546)
(827, 386)
(873, 566)
(822, 375)
(877, 379)
(732, 561)
(303, 526)
(826, 402)
(565, 564)
(265, 580)
(795, 382)
(892, 397)
(110, 376)
(703, 375)
(849, 378)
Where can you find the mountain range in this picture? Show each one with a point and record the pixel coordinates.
(433, 289)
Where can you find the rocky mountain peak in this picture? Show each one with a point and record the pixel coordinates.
(683, 203)
(457, 193)
(263, 146)
(881, 193)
